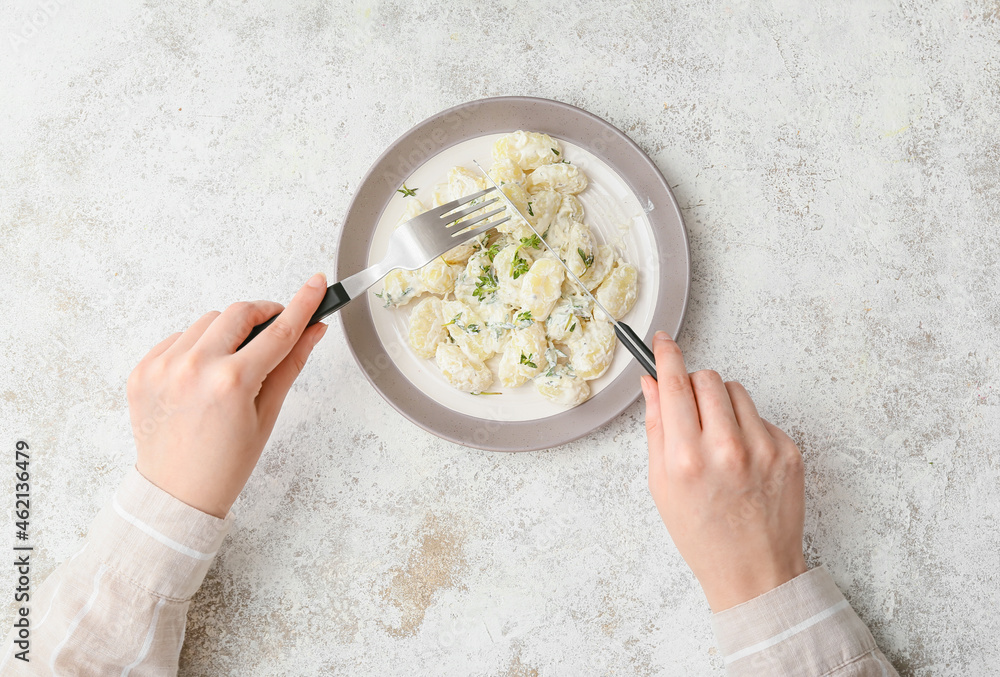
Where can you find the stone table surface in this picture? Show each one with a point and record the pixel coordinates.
(837, 165)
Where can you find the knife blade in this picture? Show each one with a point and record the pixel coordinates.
(635, 345)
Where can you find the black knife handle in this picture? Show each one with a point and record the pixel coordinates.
(335, 299)
(635, 345)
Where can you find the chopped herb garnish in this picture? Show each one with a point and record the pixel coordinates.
(530, 213)
(587, 260)
(388, 298)
(524, 317)
(407, 192)
(493, 251)
(564, 162)
(555, 151)
(519, 266)
(473, 328)
(534, 242)
(526, 360)
(487, 283)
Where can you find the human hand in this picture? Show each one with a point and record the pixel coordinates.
(728, 484)
(201, 412)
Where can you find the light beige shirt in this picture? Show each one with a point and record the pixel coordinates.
(804, 627)
(118, 607)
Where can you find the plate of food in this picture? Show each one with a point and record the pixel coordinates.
(492, 345)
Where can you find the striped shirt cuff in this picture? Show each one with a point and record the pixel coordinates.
(157, 541)
(805, 621)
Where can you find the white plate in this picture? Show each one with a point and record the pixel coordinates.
(628, 202)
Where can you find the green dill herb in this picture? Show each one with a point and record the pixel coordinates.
(573, 327)
(407, 192)
(587, 260)
(530, 213)
(555, 151)
(526, 360)
(524, 317)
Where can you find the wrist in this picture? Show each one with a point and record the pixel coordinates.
(203, 501)
(749, 581)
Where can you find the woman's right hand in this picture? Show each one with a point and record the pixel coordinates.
(728, 484)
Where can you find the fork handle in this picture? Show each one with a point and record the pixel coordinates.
(335, 299)
(635, 345)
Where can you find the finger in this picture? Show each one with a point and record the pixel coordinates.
(777, 433)
(746, 412)
(678, 411)
(716, 411)
(279, 381)
(234, 325)
(193, 333)
(654, 426)
(158, 349)
(271, 346)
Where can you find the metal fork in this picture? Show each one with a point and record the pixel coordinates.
(413, 245)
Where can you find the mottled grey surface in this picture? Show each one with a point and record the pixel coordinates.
(838, 171)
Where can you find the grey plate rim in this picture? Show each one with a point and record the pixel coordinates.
(489, 116)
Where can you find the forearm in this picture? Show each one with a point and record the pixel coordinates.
(804, 627)
(119, 605)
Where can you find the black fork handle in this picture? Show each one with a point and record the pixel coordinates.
(335, 299)
(635, 345)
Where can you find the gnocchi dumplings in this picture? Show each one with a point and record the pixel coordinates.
(502, 307)
(427, 329)
(618, 292)
(461, 371)
(561, 177)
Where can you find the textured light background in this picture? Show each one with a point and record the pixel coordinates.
(838, 170)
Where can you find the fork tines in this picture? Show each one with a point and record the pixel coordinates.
(452, 218)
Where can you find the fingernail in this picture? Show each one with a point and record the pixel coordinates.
(661, 336)
(317, 281)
